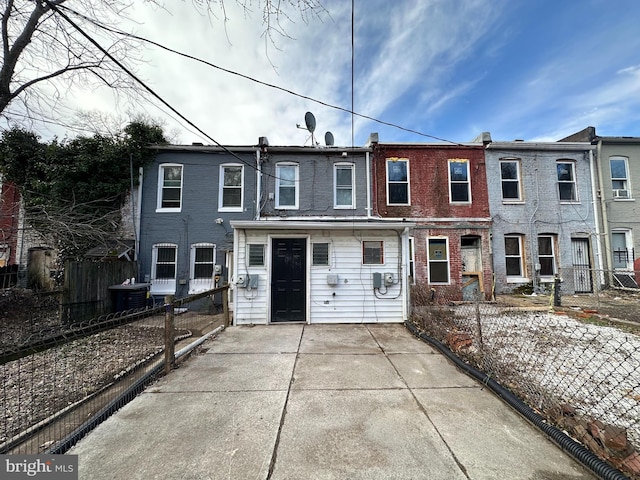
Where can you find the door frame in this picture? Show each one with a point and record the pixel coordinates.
(307, 262)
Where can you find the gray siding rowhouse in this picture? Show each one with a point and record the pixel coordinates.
(617, 170)
(541, 199)
(618, 184)
(186, 207)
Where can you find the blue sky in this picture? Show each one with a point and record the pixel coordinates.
(520, 69)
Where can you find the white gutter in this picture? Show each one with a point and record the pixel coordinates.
(595, 211)
(603, 207)
(315, 225)
(405, 279)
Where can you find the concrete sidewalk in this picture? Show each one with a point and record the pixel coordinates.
(319, 402)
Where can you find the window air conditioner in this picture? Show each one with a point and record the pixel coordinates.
(621, 194)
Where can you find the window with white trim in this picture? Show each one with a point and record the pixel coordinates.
(343, 181)
(547, 255)
(320, 254)
(619, 177)
(169, 187)
(256, 255)
(164, 268)
(513, 252)
(622, 250)
(566, 181)
(372, 252)
(287, 186)
(511, 182)
(438, 260)
(398, 181)
(231, 188)
(459, 182)
(202, 265)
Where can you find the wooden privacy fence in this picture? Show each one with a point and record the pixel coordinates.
(86, 291)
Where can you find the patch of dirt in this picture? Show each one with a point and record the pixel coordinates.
(24, 313)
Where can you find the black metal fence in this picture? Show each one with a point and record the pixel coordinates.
(66, 378)
(580, 371)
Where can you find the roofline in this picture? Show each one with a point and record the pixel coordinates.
(551, 146)
(377, 224)
(252, 148)
(623, 140)
(431, 144)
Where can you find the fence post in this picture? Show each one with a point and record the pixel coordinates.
(169, 346)
(225, 306)
(556, 292)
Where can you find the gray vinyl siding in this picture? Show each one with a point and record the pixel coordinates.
(621, 214)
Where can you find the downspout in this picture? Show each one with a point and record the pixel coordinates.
(404, 270)
(369, 186)
(258, 183)
(534, 280)
(595, 211)
(603, 209)
(139, 213)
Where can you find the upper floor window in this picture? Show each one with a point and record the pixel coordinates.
(459, 183)
(287, 186)
(546, 255)
(619, 177)
(170, 187)
(372, 252)
(566, 181)
(510, 178)
(231, 188)
(343, 180)
(513, 250)
(397, 181)
(202, 267)
(163, 268)
(438, 259)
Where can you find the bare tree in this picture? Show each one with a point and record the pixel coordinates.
(40, 48)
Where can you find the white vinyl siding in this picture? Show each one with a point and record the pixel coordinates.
(352, 300)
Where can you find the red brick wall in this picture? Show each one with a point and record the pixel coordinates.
(430, 208)
(429, 181)
(9, 211)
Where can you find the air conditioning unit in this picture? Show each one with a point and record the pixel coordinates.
(621, 194)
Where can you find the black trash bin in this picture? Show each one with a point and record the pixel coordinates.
(127, 297)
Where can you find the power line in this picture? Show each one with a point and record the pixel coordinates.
(255, 80)
(142, 84)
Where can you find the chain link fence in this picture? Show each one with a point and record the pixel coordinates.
(62, 379)
(570, 365)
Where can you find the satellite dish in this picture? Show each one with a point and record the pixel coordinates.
(310, 121)
(328, 139)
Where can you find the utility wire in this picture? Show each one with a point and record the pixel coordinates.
(145, 86)
(247, 77)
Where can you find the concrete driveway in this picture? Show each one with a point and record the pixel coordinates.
(319, 402)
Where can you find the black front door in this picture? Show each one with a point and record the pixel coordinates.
(288, 280)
